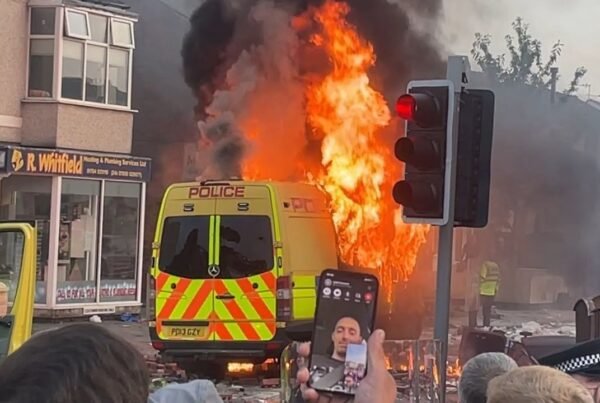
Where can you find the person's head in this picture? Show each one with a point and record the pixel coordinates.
(72, 364)
(537, 384)
(478, 372)
(346, 331)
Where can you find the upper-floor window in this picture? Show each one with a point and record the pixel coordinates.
(41, 52)
(95, 53)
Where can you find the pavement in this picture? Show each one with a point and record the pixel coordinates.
(134, 332)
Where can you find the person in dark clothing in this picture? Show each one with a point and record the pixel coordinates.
(188, 262)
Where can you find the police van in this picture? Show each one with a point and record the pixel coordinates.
(235, 267)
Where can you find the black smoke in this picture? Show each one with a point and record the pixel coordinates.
(219, 33)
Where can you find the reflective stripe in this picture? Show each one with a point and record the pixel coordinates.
(260, 307)
(199, 304)
(211, 241)
(276, 230)
(247, 317)
(161, 279)
(217, 240)
(304, 296)
(270, 281)
(174, 299)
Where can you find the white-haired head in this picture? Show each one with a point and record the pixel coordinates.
(478, 372)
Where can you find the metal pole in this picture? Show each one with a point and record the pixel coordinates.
(458, 67)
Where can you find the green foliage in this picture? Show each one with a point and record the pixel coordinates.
(524, 63)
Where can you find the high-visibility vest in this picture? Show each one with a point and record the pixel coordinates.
(488, 278)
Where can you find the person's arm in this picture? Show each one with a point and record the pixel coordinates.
(483, 272)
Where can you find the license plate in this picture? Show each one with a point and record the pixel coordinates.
(191, 332)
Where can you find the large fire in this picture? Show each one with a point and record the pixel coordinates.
(356, 169)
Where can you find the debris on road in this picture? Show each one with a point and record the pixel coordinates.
(95, 319)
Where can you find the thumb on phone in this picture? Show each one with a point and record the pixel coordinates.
(376, 355)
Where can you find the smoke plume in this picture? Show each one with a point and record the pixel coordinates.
(248, 62)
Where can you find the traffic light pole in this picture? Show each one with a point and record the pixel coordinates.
(458, 68)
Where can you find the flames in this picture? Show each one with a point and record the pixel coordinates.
(350, 112)
(357, 169)
(347, 117)
(453, 369)
(239, 367)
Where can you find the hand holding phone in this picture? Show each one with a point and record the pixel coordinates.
(346, 303)
(378, 386)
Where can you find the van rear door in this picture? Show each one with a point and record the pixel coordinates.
(17, 284)
(184, 286)
(246, 258)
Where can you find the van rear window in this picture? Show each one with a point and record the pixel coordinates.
(184, 247)
(246, 246)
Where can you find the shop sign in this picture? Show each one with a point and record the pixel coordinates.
(73, 292)
(118, 290)
(35, 161)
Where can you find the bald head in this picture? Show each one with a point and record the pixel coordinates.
(346, 331)
(537, 384)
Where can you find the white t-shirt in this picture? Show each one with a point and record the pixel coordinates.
(198, 391)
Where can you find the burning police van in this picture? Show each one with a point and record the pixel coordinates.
(235, 266)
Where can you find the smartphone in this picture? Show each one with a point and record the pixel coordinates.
(344, 318)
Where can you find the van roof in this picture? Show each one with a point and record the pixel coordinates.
(240, 182)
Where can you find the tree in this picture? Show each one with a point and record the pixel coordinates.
(525, 63)
(546, 182)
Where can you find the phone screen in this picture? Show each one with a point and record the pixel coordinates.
(344, 319)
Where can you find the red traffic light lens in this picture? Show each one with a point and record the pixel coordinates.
(406, 107)
(403, 193)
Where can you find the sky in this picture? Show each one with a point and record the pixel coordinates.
(576, 23)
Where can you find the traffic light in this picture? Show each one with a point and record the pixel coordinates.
(426, 148)
(474, 155)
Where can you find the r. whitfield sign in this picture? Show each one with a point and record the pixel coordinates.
(36, 161)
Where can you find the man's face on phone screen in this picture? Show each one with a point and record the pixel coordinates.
(346, 331)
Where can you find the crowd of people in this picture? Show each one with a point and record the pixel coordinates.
(87, 363)
(570, 376)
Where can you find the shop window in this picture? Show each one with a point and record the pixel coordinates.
(77, 243)
(184, 247)
(27, 198)
(120, 240)
(72, 70)
(246, 246)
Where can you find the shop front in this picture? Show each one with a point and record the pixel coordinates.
(88, 210)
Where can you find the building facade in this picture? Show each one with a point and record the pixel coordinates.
(66, 124)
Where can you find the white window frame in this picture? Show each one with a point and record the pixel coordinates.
(55, 37)
(61, 33)
(68, 27)
(131, 32)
